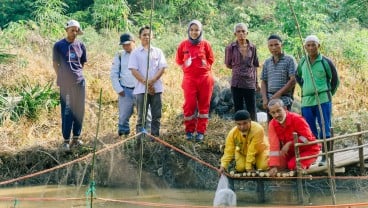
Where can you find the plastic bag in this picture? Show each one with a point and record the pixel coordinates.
(224, 195)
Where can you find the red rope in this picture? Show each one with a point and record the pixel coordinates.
(65, 164)
(183, 152)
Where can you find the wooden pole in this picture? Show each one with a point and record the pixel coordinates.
(331, 154)
(361, 150)
(299, 171)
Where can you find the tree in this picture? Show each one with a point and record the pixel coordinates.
(111, 14)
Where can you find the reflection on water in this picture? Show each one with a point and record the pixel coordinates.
(71, 196)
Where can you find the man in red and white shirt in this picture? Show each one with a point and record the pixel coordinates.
(281, 129)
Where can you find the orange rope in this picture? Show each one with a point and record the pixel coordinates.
(182, 152)
(152, 204)
(65, 164)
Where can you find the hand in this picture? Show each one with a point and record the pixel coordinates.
(285, 149)
(122, 93)
(221, 170)
(265, 103)
(250, 171)
(151, 90)
(273, 171)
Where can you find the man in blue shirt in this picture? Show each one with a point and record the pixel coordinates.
(69, 56)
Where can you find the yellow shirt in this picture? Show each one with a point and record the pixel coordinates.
(249, 146)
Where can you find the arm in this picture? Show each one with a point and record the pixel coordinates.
(254, 148)
(286, 88)
(209, 54)
(114, 75)
(229, 151)
(335, 81)
(55, 59)
(180, 55)
(264, 94)
(228, 56)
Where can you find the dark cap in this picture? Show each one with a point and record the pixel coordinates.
(241, 115)
(126, 38)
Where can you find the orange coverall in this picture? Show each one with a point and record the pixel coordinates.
(197, 84)
(280, 134)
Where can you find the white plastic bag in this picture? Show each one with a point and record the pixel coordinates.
(224, 196)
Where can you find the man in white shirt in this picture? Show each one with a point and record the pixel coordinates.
(123, 82)
(138, 66)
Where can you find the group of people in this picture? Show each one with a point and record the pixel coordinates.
(136, 77)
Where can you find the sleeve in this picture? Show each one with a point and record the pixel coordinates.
(209, 54)
(255, 58)
(133, 63)
(274, 157)
(229, 151)
(255, 144)
(303, 130)
(180, 55)
(298, 74)
(264, 76)
(55, 54)
(114, 74)
(292, 67)
(162, 64)
(335, 81)
(84, 54)
(228, 56)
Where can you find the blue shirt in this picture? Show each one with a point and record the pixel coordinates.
(70, 56)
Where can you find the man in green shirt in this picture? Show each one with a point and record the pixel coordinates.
(319, 83)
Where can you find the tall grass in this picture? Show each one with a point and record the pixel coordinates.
(40, 94)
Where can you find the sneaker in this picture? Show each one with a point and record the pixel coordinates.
(76, 143)
(189, 136)
(65, 146)
(123, 133)
(199, 138)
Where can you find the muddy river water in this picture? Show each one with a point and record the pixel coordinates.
(71, 196)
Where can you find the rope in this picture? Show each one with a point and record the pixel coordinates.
(152, 204)
(183, 152)
(145, 104)
(67, 163)
(333, 185)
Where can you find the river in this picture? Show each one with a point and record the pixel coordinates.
(72, 196)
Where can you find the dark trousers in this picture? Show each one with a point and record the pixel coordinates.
(72, 100)
(247, 96)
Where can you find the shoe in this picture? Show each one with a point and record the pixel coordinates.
(123, 133)
(323, 161)
(76, 143)
(189, 136)
(65, 146)
(199, 138)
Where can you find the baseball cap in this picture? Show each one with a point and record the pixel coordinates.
(75, 23)
(126, 38)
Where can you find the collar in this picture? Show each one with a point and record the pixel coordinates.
(282, 56)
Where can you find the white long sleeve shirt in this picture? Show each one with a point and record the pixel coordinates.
(126, 77)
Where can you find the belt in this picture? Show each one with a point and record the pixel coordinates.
(131, 88)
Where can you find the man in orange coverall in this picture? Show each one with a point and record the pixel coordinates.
(195, 56)
(247, 144)
(280, 134)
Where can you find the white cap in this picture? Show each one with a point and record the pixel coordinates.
(72, 23)
(312, 38)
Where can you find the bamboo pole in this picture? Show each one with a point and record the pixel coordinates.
(361, 150)
(299, 171)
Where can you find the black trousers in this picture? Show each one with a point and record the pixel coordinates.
(247, 96)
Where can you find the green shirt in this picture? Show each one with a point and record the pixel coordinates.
(323, 78)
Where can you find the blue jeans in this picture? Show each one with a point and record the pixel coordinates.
(126, 106)
(311, 115)
(72, 100)
(155, 103)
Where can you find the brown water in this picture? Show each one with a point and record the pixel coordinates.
(71, 196)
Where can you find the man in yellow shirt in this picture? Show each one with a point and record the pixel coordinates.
(247, 144)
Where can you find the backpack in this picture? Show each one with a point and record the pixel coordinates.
(332, 78)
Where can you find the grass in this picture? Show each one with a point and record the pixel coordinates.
(349, 103)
